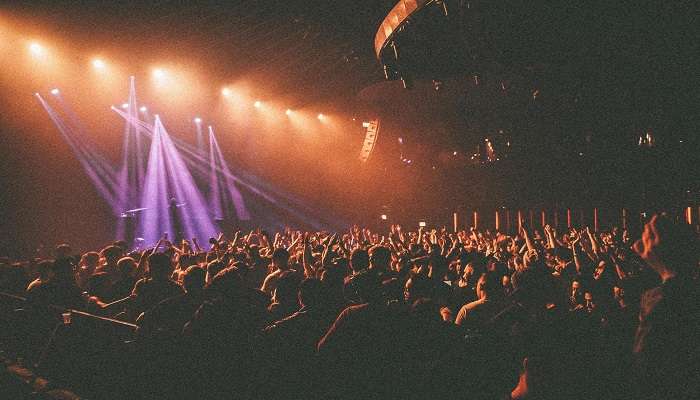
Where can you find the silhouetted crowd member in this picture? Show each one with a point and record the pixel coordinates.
(404, 314)
(57, 288)
(166, 319)
(666, 344)
(158, 286)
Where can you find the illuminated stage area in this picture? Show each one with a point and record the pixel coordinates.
(313, 199)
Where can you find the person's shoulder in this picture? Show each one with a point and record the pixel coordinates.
(98, 276)
(285, 322)
(36, 283)
(472, 305)
(174, 287)
(141, 283)
(172, 301)
(355, 308)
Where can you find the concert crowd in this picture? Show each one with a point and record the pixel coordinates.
(427, 313)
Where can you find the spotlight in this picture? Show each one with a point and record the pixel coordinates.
(226, 92)
(55, 92)
(321, 117)
(36, 49)
(454, 153)
(197, 120)
(125, 106)
(401, 140)
(257, 104)
(365, 124)
(158, 73)
(143, 109)
(98, 64)
(288, 112)
(383, 217)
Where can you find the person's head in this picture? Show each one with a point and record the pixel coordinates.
(91, 259)
(437, 265)
(63, 251)
(619, 293)
(111, 254)
(280, 259)
(287, 287)
(379, 258)
(669, 247)
(575, 288)
(367, 287)
(534, 288)
(505, 281)
(159, 266)
(227, 285)
(562, 255)
(213, 268)
(185, 260)
(253, 251)
(310, 292)
(359, 260)
(45, 269)
(63, 270)
(468, 272)
(489, 285)
(126, 266)
(417, 286)
(426, 310)
(589, 301)
(122, 245)
(194, 279)
(333, 276)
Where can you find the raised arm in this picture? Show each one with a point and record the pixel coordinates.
(307, 258)
(197, 248)
(577, 261)
(594, 243)
(526, 236)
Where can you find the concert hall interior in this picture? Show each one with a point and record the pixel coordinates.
(447, 141)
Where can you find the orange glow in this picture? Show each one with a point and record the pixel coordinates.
(226, 92)
(159, 73)
(689, 215)
(36, 49)
(99, 64)
(288, 112)
(257, 104)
